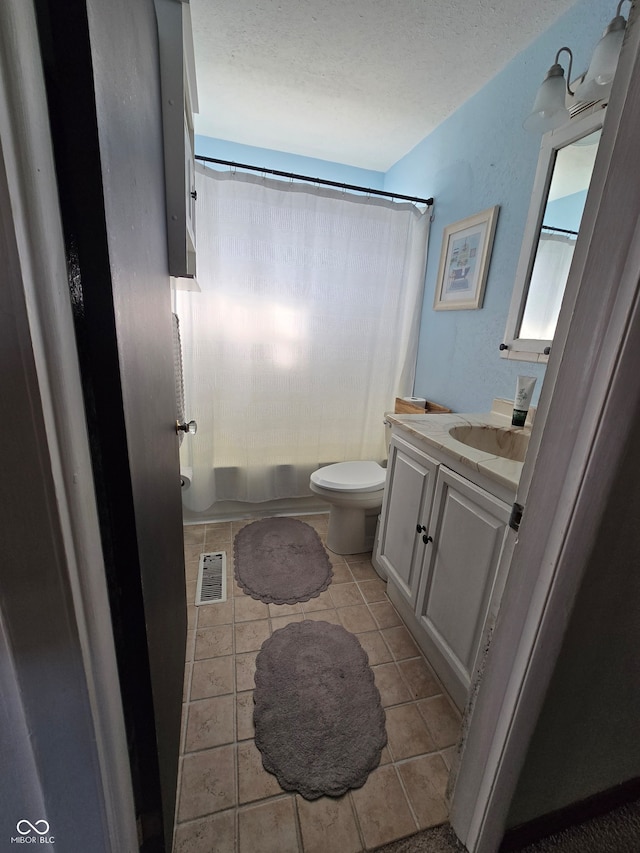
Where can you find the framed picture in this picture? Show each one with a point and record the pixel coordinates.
(464, 261)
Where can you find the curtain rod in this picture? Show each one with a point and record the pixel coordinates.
(427, 201)
(559, 230)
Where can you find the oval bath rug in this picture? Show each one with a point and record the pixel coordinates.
(281, 561)
(319, 722)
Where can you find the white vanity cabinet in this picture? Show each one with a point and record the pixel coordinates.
(411, 476)
(468, 526)
(441, 577)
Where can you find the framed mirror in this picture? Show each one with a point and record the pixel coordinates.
(565, 164)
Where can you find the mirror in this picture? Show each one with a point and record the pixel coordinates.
(565, 166)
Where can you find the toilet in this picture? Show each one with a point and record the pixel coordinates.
(354, 490)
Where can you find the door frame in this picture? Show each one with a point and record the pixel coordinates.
(591, 386)
(37, 267)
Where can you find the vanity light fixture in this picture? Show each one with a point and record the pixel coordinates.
(550, 109)
(598, 80)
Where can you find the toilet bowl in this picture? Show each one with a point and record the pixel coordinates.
(354, 490)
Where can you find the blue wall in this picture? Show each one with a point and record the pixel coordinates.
(284, 162)
(566, 212)
(478, 157)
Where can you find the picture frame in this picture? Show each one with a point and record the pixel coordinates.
(464, 261)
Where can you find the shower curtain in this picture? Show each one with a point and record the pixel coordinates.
(303, 333)
(546, 289)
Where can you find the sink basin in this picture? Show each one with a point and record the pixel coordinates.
(499, 441)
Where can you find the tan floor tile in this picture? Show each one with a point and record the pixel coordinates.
(236, 526)
(210, 723)
(254, 783)
(362, 570)
(336, 559)
(284, 609)
(188, 667)
(235, 589)
(213, 642)
(190, 645)
(248, 609)
(407, 732)
(269, 828)
(319, 520)
(448, 756)
(318, 602)
(192, 552)
(216, 613)
(375, 647)
(218, 538)
(212, 677)
(216, 832)
(356, 619)
(282, 621)
(437, 772)
(420, 678)
(244, 712)
(385, 614)
(330, 616)
(191, 571)
(425, 796)
(442, 720)
(382, 808)
(218, 525)
(391, 685)
(328, 824)
(385, 756)
(245, 671)
(193, 534)
(346, 595)
(251, 635)
(374, 590)
(400, 642)
(208, 783)
(190, 590)
(341, 573)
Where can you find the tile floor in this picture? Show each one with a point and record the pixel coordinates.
(227, 802)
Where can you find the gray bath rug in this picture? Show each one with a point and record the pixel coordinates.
(319, 722)
(281, 561)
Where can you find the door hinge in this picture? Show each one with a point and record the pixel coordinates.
(516, 516)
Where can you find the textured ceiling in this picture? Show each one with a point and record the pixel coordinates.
(355, 81)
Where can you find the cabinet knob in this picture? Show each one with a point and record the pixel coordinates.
(420, 528)
(503, 347)
(191, 427)
(426, 538)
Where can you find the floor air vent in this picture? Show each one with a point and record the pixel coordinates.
(212, 578)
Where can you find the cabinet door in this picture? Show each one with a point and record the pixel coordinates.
(407, 503)
(468, 528)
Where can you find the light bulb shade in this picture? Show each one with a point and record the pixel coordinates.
(599, 78)
(549, 108)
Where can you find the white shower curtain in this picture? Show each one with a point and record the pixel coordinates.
(303, 333)
(546, 289)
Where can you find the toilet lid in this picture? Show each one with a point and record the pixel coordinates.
(350, 477)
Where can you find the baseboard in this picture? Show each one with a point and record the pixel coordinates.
(599, 804)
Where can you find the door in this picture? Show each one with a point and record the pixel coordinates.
(103, 90)
(468, 529)
(407, 503)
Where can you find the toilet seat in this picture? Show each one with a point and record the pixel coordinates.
(350, 477)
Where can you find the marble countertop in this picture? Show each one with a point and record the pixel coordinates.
(433, 430)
